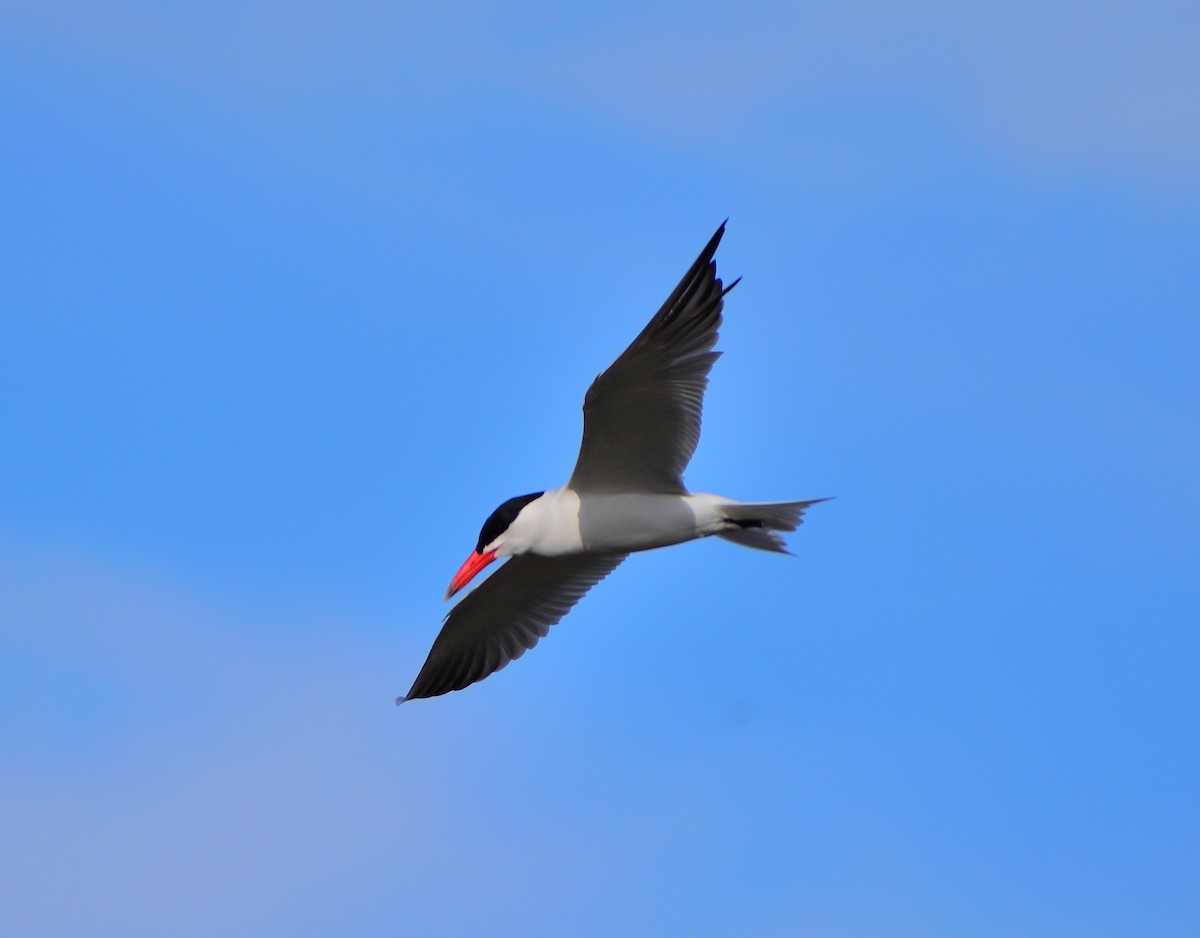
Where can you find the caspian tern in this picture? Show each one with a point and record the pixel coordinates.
(641, 424)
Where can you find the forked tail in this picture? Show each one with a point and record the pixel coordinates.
(753, 524)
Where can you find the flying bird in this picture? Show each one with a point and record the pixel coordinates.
(641, 424)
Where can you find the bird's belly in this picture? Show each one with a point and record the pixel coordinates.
(639, 522)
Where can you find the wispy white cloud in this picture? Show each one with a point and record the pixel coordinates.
(250, 780)
(1065, 87)
(1059, 87)
(269, 57)
(213, 775)
(255, 781)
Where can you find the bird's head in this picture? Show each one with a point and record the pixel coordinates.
(494, 540)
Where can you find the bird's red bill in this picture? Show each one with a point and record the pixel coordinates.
(467, 571)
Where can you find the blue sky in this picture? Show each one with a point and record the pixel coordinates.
(295, 295)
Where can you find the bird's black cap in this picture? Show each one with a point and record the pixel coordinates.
(499, 520)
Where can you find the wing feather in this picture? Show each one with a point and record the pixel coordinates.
(505, 616)
(641, 417)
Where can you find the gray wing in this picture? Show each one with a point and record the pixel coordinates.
(504, 617)
(641, 417)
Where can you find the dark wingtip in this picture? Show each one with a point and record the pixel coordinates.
(711, 248)
(414, 693)
(725, 290)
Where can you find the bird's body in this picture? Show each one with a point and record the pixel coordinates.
(563, 521)
(626, 494)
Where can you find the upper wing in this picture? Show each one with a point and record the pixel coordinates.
(641, 418)
(504, 617)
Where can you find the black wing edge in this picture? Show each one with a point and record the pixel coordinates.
(466, 671)
(702, 271)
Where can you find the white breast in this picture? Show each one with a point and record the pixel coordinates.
(548, 526)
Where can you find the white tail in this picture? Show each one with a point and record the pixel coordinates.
(753, 524)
